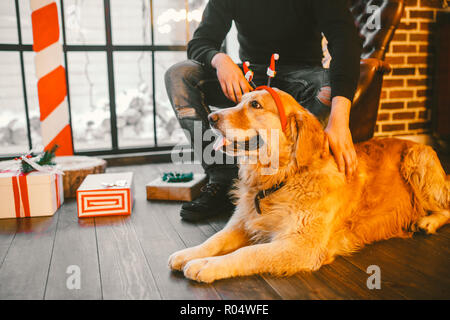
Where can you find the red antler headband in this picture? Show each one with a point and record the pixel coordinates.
(271, 69)
(278, 102)
(248, 73)
(271, 74)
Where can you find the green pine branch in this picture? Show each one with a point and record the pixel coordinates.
(46, 159)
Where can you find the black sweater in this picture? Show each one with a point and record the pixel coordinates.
(291, 28)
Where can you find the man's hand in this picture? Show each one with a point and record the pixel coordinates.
(339, 138)
(231, 78)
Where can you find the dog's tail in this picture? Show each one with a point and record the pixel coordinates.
(423, 171)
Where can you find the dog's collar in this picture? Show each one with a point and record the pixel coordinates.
(264, 193)
(278, 102)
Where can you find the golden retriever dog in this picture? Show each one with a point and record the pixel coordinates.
(315, 212)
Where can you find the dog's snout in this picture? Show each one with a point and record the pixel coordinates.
(213, 118)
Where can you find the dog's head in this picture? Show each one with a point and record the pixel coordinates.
(255, 123)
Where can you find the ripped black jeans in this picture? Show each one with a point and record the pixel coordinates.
(194, 89)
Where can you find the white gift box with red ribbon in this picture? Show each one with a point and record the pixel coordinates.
(31, 194)
(105, 194)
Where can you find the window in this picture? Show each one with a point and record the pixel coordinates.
(115, 54)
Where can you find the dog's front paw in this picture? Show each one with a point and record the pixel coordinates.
(203, 270)
(428, 224)
(178, 260)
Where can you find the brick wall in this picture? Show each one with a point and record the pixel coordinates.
(405, 106)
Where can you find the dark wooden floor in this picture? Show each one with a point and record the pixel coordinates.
(126, 258)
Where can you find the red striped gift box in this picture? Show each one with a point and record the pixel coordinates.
(34, 194)
(105, 194)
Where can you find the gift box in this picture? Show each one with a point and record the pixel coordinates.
(159, 189)
(105, 194)
(32, 194)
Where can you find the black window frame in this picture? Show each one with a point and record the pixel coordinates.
(109, 48)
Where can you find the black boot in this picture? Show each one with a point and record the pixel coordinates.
(213, 200)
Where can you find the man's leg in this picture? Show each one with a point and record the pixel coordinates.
(191, 89)
(310, 86)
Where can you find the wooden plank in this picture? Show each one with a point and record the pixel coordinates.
(351, 282)
(339, 280)
(430, 256)
(24, 272)
(443, 232)
(159, 240)
(8, 229)
(397, 274)
(75, 245)
(246, 288)
(290, 288)
(317, 286)
(124, 268)
(218, 222)
(125, 273)
(158, 244)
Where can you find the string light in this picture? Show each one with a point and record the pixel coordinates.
(164, 19)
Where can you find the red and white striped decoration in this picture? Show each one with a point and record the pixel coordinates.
(248, 74)
(271, 69)
(52, 90)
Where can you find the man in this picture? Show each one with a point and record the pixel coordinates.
(291, 28)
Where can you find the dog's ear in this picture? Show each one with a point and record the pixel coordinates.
(307, 137)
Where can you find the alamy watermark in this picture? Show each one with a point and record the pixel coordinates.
(374, 20)
(73, 281)
(374, 281)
